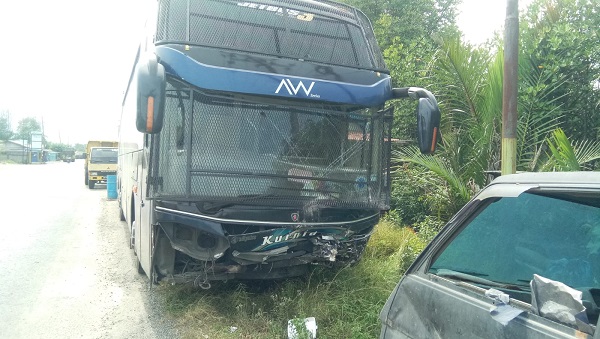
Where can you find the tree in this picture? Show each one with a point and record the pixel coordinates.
(408, 34)
(26, 126)
(469, 88)
(59, 147)
(562, 36)
(80, 147)
(6, 132)
(398, 21)
(558, 87)
(470, 95)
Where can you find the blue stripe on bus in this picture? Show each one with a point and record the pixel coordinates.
(234, 80)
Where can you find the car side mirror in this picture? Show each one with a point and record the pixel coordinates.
(151, 88)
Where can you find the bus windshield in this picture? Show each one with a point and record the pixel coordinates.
(215, 146)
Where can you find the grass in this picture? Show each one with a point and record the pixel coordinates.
(345, 302)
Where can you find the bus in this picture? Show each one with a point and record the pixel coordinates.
(255, 139)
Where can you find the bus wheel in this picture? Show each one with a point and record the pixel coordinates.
(91, 184)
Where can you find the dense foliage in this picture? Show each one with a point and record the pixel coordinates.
(562, 37)
(559, 90)
(407, 32)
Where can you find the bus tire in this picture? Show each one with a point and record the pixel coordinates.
(91, 184)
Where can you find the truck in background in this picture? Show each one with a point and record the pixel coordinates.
(68, 155)
(100, 161)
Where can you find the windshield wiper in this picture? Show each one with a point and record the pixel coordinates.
(476, 278)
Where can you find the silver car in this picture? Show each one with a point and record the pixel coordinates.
(476, 278)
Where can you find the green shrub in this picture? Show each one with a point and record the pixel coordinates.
(428, 228)
(390, 240)
(407, 198)
(417, 194)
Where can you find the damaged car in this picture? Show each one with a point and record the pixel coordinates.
(520, 260)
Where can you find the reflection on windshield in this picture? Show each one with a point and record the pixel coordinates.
(557, 237)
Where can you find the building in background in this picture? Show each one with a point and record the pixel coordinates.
(14, 151)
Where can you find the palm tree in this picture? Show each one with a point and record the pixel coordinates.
(540, 112)
(470, 94)
(467, 82)
(558, 58)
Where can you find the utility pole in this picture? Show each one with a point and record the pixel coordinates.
(510, 88)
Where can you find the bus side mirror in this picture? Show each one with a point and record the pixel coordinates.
(151, 85)
(428, 125)
(428, 116)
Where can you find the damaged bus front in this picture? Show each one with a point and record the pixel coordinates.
(265, 141)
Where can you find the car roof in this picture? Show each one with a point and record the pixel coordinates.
(512, 185)
(580, 177)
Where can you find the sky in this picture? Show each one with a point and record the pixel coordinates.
(479, 19)
(67, 62)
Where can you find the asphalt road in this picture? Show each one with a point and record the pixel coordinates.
(67, 270)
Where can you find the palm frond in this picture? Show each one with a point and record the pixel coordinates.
(471, 106)
(436, 165)
(539, 111)
(587, 151)
(462, 69)
(563, 154)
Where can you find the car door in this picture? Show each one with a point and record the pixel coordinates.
(499, 241)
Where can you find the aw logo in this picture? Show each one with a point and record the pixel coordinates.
(293, 90)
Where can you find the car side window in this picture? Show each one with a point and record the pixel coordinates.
(513, 238)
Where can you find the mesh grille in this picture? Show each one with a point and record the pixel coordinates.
(330, 33)
(216, 148)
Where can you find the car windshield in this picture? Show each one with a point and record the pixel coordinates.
(555, 235)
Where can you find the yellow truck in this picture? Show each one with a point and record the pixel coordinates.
(100, 161)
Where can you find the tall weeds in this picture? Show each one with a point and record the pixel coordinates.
(345, 302)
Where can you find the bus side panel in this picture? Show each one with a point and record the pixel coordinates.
(130, 149)
(144, 216)
(124, 174)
